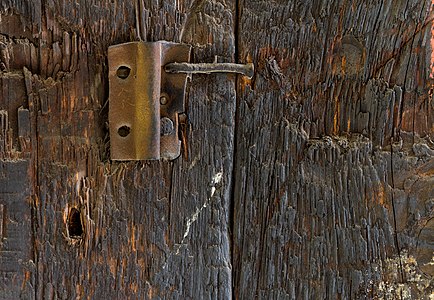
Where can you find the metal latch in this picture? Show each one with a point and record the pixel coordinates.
(147, 89)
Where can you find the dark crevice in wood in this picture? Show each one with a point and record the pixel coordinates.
(34, 171)
(395, 226)
(137, 15)
(172, 182)
(232, 201)
(33, 223)
(104, 147)
(74, 224)
(236, 30)
(234, 153)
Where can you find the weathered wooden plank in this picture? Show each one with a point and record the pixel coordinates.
(326, 132)
(17, 263)
(122, 230)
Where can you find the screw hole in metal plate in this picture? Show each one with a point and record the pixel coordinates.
(123, 72)
(124, 131)
(163, 100)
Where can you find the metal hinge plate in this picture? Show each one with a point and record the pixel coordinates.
(145, 100)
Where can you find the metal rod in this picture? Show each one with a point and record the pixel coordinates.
(207, 68)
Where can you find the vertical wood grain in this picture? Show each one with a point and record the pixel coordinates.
(332, 190)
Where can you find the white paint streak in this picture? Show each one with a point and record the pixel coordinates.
(215, 180)
(192, 220)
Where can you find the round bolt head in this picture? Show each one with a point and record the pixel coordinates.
(167, 127)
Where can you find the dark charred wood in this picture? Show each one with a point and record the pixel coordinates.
(312, 180)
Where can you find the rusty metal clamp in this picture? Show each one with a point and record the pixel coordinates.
(147, 89)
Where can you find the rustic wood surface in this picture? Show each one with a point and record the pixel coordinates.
(334, 161)
(312, 180)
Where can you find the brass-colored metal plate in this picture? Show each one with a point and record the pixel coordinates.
(136, 81)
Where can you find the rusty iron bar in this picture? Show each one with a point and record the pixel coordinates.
(207, 68)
